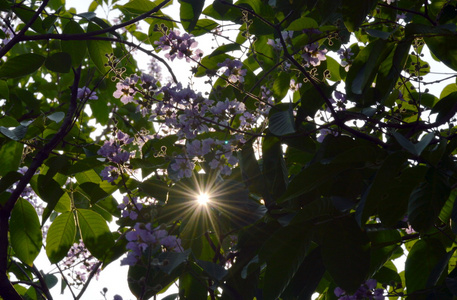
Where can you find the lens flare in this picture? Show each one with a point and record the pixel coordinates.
(203, 199)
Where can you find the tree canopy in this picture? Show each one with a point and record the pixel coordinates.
(305, 154)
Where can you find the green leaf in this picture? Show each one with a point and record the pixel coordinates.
(25, 13)
(396, 194)
(281, 85)
(389, 69)
(87, 15)
(284, 252)
(427, 200)
(4, 90)
(415, 149)
(215, 271)
(157, 278)
(373, 197)
(252, 176)
(25, 231)
(139, 6)
(274, 167)
(307, 277)
(281, 120)
(190, 12)
(421, 261)
(364, 69)
(15, 134)
(59, 62)
(98, 50)
(57, 116)
(204, 26)
(49, 191)
(210, 62)
(189, 284)
(448, 89)
(383, 244)
(93, 191)
(155, 188)
(10, 156)
(93, 6)
(21, 65)
(61, 235)
(355, 12)
(302, 23)
(95, 232)
(440, 269)
(224, 49)
(345, 252)
(88, 176)
(446, 108)
(444, 48)
(76, 48)
(8, 180)
(51, 280)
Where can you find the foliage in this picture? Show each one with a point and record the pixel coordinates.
(322, 151)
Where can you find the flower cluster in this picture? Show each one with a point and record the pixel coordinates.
(313, 56)
(276, 43)
(131, 207)
(113, 152)
(339, 101)
(234, 71)
(144, 236)
(180, 46)
(367, 290)
(78, 255)
(345, 56)
(86, 93)
(155, 69)
(125, 90)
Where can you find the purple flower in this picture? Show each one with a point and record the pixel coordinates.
(112, 149)
(294, 86)
(110, 173)
(312, 55)
(324, 132)
(126, 89)
(233, 72)
(345, 56)
(86, 93)
(180, 46)
(172, 243)
(143, 236)
(117, 297)
(183, 166)
(339, 291)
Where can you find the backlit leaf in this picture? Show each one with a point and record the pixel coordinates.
(60, 237)
(21, 65)
(25, 231)
(95, 232)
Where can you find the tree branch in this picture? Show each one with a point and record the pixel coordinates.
(21, 33)
(7, 291)
(66, 37)
(19, 36)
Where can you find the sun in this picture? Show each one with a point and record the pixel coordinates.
(203, 198)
